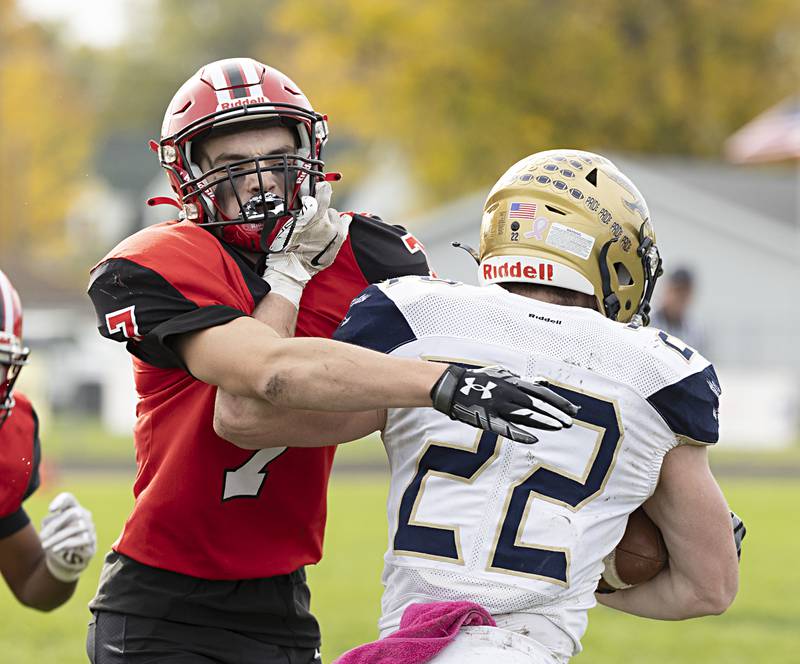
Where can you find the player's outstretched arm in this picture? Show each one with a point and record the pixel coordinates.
(42, 570)
(703, 573)
(247, 358)
(244, 420)
(253, 424)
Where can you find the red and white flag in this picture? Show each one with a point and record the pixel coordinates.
(772, 136)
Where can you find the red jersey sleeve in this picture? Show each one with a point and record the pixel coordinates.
(168, 280)
(20, 454)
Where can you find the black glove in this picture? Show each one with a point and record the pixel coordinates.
(495, 399)
(739, 531)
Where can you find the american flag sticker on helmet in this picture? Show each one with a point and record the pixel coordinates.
(522, 211)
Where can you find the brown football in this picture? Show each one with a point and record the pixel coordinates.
(639, 556)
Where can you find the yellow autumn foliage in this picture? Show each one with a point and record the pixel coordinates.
(45, 138)
(467, 86)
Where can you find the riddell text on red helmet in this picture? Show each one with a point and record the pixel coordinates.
(225, 105)
(516, 270)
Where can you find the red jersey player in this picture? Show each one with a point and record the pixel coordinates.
(41, 570)
(209, 566)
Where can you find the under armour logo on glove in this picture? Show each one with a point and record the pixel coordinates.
(494, 399)
(485, 390)
(68, 538)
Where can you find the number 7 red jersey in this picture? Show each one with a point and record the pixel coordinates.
(205, 507)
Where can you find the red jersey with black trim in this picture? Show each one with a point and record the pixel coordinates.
(19, 464)
(205, 507)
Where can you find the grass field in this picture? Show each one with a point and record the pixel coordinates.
(81, 441)
(762, 626)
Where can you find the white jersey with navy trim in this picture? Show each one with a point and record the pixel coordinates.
(516, 528)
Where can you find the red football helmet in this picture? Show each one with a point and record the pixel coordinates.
(13, 355)
(241, 90)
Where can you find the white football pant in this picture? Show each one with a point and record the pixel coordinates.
(492, 645)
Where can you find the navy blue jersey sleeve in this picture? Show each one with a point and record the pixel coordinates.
(374, 321)
(690, 407)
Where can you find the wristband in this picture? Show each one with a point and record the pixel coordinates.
(286, 277)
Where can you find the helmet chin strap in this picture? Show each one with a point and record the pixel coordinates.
(652, 267)
(611, 304)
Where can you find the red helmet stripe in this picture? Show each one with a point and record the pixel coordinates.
(7, 316)
(220, 82)
(251, 74)
(16, 325)
(234, 75)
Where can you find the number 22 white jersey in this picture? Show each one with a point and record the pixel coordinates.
(518, 528)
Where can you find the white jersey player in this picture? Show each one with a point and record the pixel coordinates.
(567, 275)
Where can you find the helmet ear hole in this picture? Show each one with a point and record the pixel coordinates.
(624, 277)
(628, 305)
(556, 210)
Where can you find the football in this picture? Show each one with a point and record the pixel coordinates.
(639, 556)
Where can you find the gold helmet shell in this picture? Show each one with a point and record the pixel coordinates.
(572, 219)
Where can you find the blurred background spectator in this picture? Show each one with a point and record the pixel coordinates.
(674, 313)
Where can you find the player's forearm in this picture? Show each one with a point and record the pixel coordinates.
(240, 419)
(318, 374)
(669, 596)
(23, 565)
(247, 358)
(255, 424)
(42, 591)
(277, 312)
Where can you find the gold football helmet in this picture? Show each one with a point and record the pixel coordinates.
(571, 219)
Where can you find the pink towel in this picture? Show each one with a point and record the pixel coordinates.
(425, 629)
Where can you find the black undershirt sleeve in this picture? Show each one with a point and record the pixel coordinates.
(384, 251)
(13, 523)
(139, 307)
